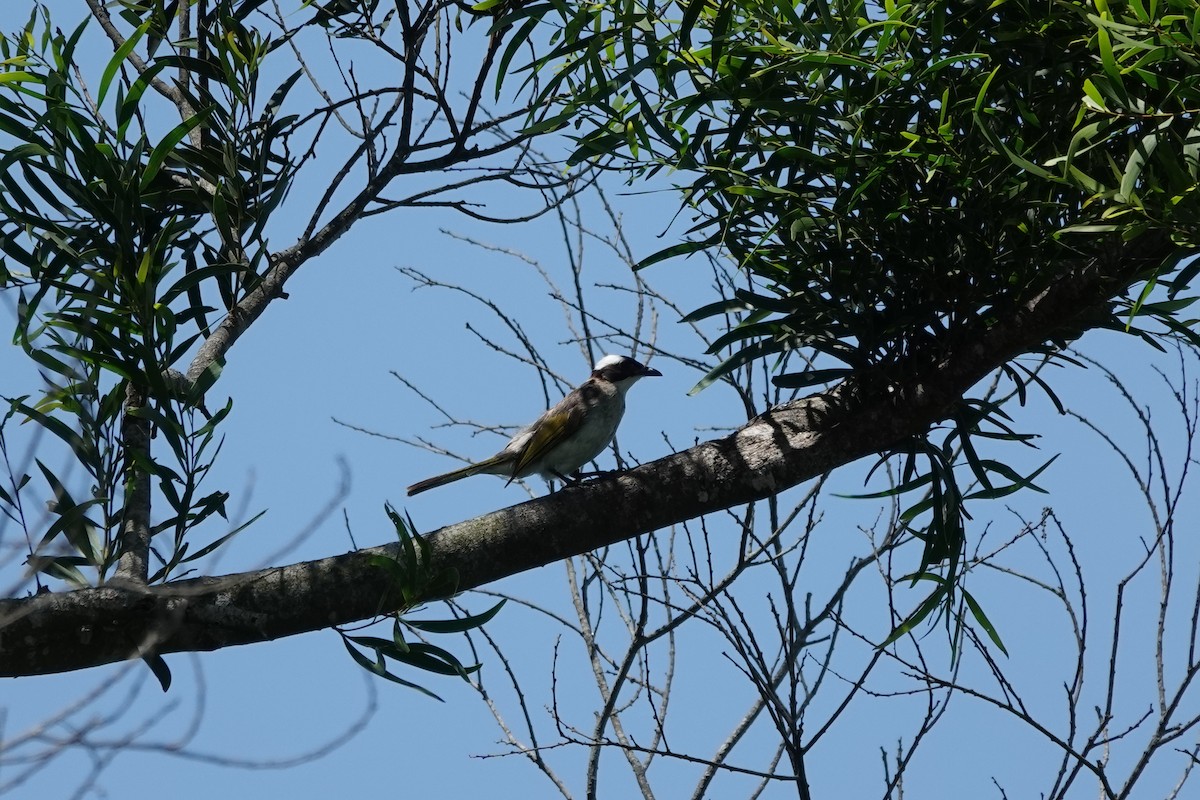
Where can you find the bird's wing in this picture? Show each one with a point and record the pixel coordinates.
(556, 425)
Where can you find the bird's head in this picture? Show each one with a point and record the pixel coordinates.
(622, 371)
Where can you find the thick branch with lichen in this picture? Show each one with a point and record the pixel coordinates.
(795, 442)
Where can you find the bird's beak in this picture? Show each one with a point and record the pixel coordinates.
(650, 372)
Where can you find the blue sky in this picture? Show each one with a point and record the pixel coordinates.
(326, 354)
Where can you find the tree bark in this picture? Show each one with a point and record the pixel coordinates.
(134, 564)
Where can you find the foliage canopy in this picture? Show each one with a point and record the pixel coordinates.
(887, 172)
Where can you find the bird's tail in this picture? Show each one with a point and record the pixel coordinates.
(489, 466)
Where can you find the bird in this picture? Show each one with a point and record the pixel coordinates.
(567, 436)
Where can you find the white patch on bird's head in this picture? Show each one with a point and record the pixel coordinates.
(608, 361)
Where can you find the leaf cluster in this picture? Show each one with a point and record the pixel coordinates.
(887, 172)
(122, 230)
(413, 578)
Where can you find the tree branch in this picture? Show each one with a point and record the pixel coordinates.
(134, 564)
(287, 262)
(865, 414)
(100, 12)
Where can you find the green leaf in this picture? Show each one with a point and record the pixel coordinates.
(1107, 57)
(515, 43)
(17, 76)
(456, 625)
(208, 548)
(128, 105)
(720, 307)
(927, 607)
(423, 656)
(1135, 164)
(64, 568)
(684, 248)
(119, 56)
(71, 518)
(160, 669)
(379, 667)
(1135, 309)
(1018, 482)
(83, 450)
(168, 144)
(984, 622)
(1166, 307)
(739, 359)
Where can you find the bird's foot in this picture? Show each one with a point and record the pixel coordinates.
(578, 478)
(567, 480)
(600, 473)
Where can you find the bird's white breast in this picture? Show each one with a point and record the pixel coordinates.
(589, 441)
